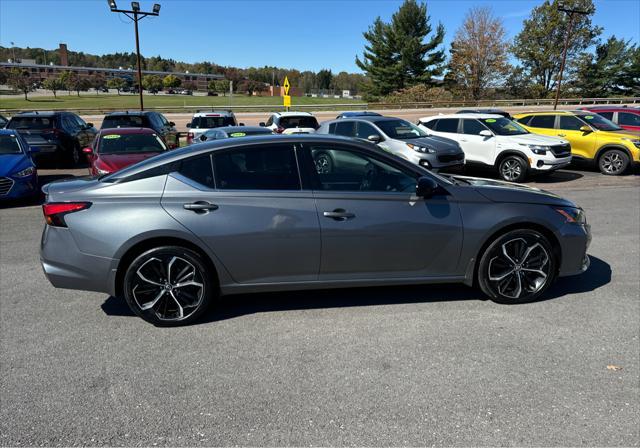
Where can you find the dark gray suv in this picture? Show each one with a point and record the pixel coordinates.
(171, 233)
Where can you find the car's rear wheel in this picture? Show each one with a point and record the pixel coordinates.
(513, 169)
(168, 286)
(73, 156)
(613, 162)
(517, 267)
(323, 162)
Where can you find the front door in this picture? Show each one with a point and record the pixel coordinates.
(372, 224)
(476, 147)
(582, 143)
(254, 217)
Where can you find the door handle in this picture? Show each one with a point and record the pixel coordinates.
(339, 215)
(200, 206)
(562, 135)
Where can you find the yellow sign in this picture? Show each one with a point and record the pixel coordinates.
(287, 101)
(286, 85)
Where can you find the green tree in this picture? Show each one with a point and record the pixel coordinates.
(65, 80)
(324, 78)
(404, 52)
(152, 82)
(479, 53)
(539, 45)
(219, 86)
(52, 84)
(116, 83)
(171, 81)
(98, 82)
(20, 80)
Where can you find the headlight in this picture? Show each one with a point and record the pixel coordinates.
(421, 148)
(25, 172)
(635, 142)
(572, 215)
(538, 149)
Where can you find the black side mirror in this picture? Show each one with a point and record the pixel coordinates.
(89, 125)
(240, 124)
(426, 187)
(171, 123)
(262, 124)
(189, 124)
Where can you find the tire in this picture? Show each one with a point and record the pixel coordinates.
(513, 169)
(613, 162)
(73, 156)
(517, 267)
(323, 163)
(154, 296)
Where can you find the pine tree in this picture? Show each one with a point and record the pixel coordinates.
(378, 59)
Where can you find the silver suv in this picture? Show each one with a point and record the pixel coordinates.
(201, 122)
(398, 137)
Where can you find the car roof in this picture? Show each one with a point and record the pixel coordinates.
(480, 110)
(611, 108)
(127, 112)
(203, 113)
(8, 132)
(359, 113)
(123, 131)
(292, 114)
(458, 116)
(38, 113)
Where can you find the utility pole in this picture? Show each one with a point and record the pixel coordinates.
(572, 13)
(136, 15)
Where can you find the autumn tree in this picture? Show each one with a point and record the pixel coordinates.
(479, 52)
(116, 83)
(171, 81)
(52, 84)
(21, 81)
(152, 83)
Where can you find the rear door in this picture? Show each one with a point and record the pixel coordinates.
(476, 147)
(629, 120)
(542, 124)
(249, 208)
(373, 226)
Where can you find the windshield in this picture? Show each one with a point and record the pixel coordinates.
(599, 122)
(212, 122)
(30, 123)
(504, 126)
(299, 122)
(123, 121)
(130, 143)
(9, 144)
(400, 129)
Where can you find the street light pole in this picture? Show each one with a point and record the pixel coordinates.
(571, 13)
(136, 15)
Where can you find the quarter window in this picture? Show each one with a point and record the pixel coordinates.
(543, 121)
(607, 115)
(257, 168)
(627, 119)
(472, 127)
(199, 170)
(431, 124)
(447, 125)
(345, 128)
(570, 123)
(340, 169)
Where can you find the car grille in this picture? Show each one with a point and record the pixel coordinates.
(447, 158)
(561, 150)
(5, 185)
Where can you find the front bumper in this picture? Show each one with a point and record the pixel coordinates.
(574, 241)
(21, 187)
(437, 162)
(544, 164)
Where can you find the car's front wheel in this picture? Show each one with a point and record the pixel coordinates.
(613, 162)
(513, 169)
(517, 267)
(168, 286)
(323, 162)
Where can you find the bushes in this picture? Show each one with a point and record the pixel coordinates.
(420, 93)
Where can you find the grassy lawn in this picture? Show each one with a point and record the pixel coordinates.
(130, 101)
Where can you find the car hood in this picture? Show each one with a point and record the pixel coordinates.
(499, 191)
(440, 144)
(536, 139)
(115, 162)
(10, 163)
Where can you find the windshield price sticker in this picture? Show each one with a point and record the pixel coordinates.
(237, 134)
(490, 120)
(111, 136)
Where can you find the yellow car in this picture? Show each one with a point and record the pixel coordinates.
(592, 137)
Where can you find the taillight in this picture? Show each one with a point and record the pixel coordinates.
(54, 212)
(279, 130)
(189, 137)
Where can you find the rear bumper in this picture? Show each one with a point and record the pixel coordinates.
(65, 266)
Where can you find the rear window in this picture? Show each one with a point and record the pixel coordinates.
(431, 124)
(298, 122)
(212, 122)
(124, 121)
(447, 125)
(627, 119)
(9, 144)
(30, 123)
(130, 143)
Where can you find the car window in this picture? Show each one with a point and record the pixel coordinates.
(198, 169)
(257, 168)
(163, 120)
(431, 124)
(504, 126)
(210, 122)
(447, 125)
(472, 127)
(599, 122)
(364, 130)
(30, 123)
(570, 123)
(607, 115)
(130, 143)
(524, 120)
(543, 121)
(627, 119)
(269, 121)
(345, 128)
(348, 170)
(400, 129)
(9, 144)
(302, 121)
(122, 121)
(69, 123)
(79, 121)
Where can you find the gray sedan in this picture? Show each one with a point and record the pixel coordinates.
(173, 232)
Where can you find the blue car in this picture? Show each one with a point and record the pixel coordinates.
(18, 175)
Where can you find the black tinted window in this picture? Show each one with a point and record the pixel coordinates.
(542, 121)
(627, 119)
(298, 122)
(212, 122)
(9, 144)
(199, 170)
(431, 124)
(345, 128)
(447, 125)
(609, 115)
(30, 123)
(570, 123)
(365, 130)
(524, 120)
(257, 168)
(472, 127)
(124, 121)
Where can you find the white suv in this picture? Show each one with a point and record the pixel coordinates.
(491, 139)
(201, 122)
(291, 123)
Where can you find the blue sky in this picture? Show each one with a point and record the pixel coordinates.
(304, 34)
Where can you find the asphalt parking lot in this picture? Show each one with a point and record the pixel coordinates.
(377, 366)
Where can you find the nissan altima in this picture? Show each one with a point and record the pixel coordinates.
(173, 232)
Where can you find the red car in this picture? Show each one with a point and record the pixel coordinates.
(114, 149)
(626, 117)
